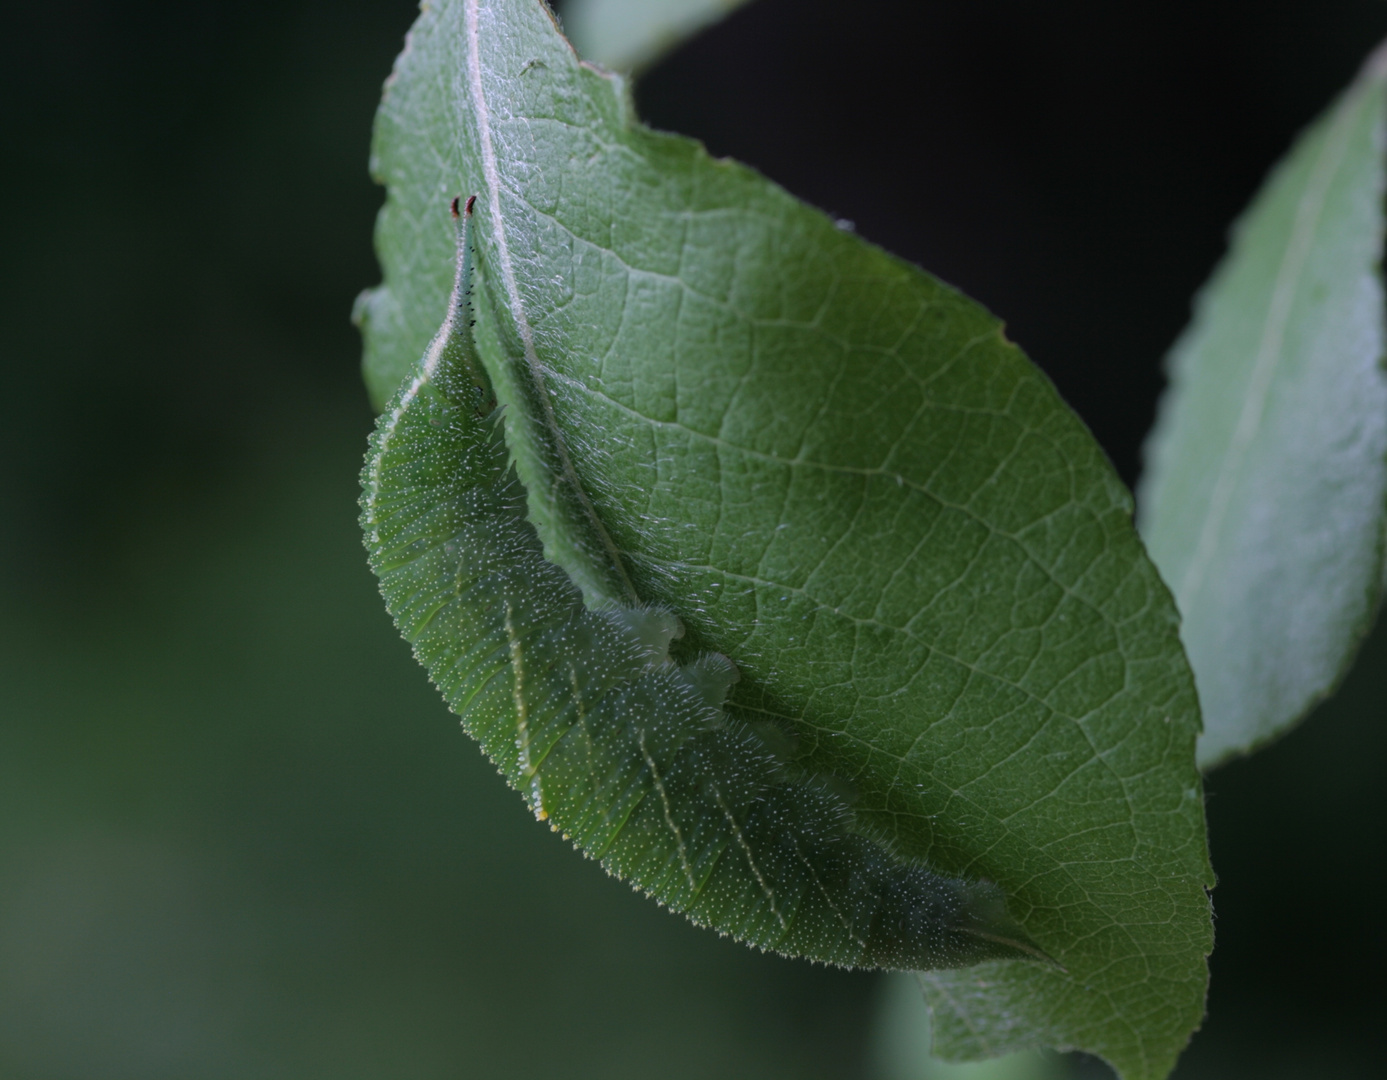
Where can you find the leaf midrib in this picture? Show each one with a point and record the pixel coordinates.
(492, 174)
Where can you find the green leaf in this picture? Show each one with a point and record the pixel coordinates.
(628, 34)
(729, 417)
(1265, 499)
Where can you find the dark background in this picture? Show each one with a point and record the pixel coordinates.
(239, 834)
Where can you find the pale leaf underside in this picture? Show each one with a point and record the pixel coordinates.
(1265, 499)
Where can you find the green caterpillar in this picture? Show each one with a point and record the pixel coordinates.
(627, 752)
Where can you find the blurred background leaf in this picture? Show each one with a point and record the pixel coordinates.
(1264, 500)
(902, 1042)
(629, 34)
(239, 836)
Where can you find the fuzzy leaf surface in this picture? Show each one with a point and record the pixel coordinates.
(1265, 499)
(837, 472)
